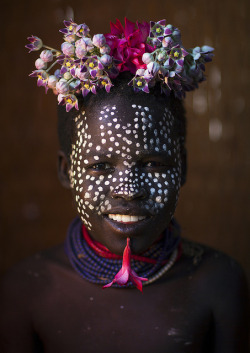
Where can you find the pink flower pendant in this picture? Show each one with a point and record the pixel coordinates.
(126, 273)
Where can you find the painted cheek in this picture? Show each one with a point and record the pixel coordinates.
(81, 183)
(164, 190)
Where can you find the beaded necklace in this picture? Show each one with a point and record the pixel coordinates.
(95, 263)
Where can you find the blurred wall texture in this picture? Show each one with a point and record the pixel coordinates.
(214, 204)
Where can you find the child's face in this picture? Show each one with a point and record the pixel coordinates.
(126, 171)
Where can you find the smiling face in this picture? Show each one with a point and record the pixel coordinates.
(126, 171)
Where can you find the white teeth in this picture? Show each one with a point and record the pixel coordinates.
(125, 218)
(118, 217)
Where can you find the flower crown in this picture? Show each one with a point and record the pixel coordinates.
(152, 52)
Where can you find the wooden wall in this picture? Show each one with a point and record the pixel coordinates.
(215, 203)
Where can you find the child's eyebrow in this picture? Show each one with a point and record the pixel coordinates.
(101, 153)
(142, 154)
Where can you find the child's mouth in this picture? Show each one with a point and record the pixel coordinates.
(122, 218)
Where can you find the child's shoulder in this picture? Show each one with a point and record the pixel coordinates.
(217, 276)
(213, 265)
(33, 276)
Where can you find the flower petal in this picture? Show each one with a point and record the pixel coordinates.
(129, 27)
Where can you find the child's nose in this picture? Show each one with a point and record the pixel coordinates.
(129, 192)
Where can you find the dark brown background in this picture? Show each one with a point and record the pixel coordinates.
(214, 205)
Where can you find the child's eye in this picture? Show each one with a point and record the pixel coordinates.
(153, 164)
(101, 166)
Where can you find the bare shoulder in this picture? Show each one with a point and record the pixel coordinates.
(216, 271)
(220, 268)
(22, 289)
(32, 276)
(221, 284)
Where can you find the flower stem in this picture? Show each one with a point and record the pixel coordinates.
(54, 63)
(52, 49)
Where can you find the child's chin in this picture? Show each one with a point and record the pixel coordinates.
(141, 234)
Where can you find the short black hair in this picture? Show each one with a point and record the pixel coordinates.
(66, 125)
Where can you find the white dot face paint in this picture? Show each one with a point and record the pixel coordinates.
(115, 171)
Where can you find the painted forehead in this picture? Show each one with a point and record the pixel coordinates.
(122, 129)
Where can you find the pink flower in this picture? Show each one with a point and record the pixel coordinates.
(126, 273)
(128, 44)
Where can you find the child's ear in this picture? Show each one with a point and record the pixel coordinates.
(183, 165)
(63, 169)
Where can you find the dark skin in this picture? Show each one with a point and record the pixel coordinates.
(194, 308)
(199, 306)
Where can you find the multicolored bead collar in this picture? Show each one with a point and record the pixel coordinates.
(152, 52)
(95, 263)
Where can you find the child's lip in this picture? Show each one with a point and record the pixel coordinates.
(125, 218)
(127, 225)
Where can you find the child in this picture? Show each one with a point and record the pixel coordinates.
(123, 157)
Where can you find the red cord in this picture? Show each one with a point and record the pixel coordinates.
(104, 252)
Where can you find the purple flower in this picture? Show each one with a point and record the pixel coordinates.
(99, 40)
(85, 43)
(70, 38)
(80, 52)
(69, 100)
(82, 75)
(106, 83)
(167, 42)
(36, 43)
(92, 65)
(75, 85)
(70, 28)
(162, 55)
(68, 49)
(172, 82)
(106, 60)
(153, 68)
(40, 64)
(176, 58)
(168, 30)
(204, 52)
(67, 64)
(42, 78)
(192, 75)
(105, 49)
(140, 83)
(157, 29)
(153, 52)
(82, 30)
(73, 29)
(46, 55)
(140, 72)
(87, 87)
(62, 86)
(147, 58)
(52, 81)
(67, 76)
(57, 74)
(176, 35)
(112, 70)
